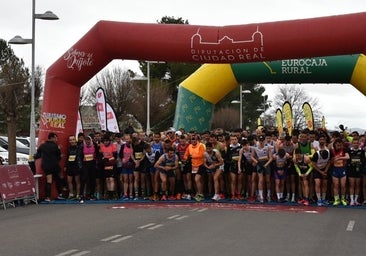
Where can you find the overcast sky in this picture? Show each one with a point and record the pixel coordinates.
(340, 103)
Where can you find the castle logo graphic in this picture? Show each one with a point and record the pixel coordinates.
(227, 49)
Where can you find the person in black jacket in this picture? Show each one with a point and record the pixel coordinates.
(50, 154)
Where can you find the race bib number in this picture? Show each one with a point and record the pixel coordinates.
(89, 157)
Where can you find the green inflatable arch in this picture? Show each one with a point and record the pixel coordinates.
(198, 94)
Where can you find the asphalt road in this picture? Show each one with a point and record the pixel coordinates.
(181, 230)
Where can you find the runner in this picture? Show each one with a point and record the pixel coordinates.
(339, 172)
(167, 164)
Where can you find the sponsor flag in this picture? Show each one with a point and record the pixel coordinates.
(112, 123)
(309, 117)
(279, 120)
(323, 122)
(259, 123)
(101, 108)
(287, 112)
(79, 124)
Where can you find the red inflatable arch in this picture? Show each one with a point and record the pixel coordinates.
(108, 40)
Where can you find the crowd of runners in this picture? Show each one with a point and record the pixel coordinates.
(306, 167)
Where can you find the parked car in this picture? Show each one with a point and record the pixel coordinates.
(25, 140)
(20, 147)
(21, 158)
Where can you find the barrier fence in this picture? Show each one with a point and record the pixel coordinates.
(17, 182)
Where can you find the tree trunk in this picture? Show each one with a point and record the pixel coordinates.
(12, 128)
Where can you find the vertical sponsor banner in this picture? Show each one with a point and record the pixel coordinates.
(101, 108)
(259, 123)
(112, 123)
(279, 120)
(287, 112)
(309, 117)
(323, 122)
(79, 124)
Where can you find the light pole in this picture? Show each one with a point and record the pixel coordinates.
(263, 108)
(148, 128)
(19, 40)
(241, 103)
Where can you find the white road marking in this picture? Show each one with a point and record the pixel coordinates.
(203, 209)
(194, 209)
(81, 253)
(311, 212)
(73, 252)
(182, 217)
(350, 225)
(121, 239)
(67, 252)
(173, 217)
(118, 207)
(147, 225)
(156, 226)
(110, 238)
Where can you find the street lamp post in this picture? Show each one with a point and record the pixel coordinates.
(148, 101)
(148, 128)
(19, 40)
(241, 103)
(263, 108)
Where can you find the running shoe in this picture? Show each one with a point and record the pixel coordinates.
(336, 202)
(189, 197)
(154, 197)
(282, 200)
(216, 197)
(172, 197)
(199, 197)
(47, 199)
(301, 201)
(319, 203)
(163, 198)
(251, 199)
(240, 197)
(222, 196)
(352, 203)
(344, 202)
(325, 202)
(60, 197)
(357, 203)
(179, 196)
(306, 202)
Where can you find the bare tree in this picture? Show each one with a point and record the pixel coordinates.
(296, 96)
